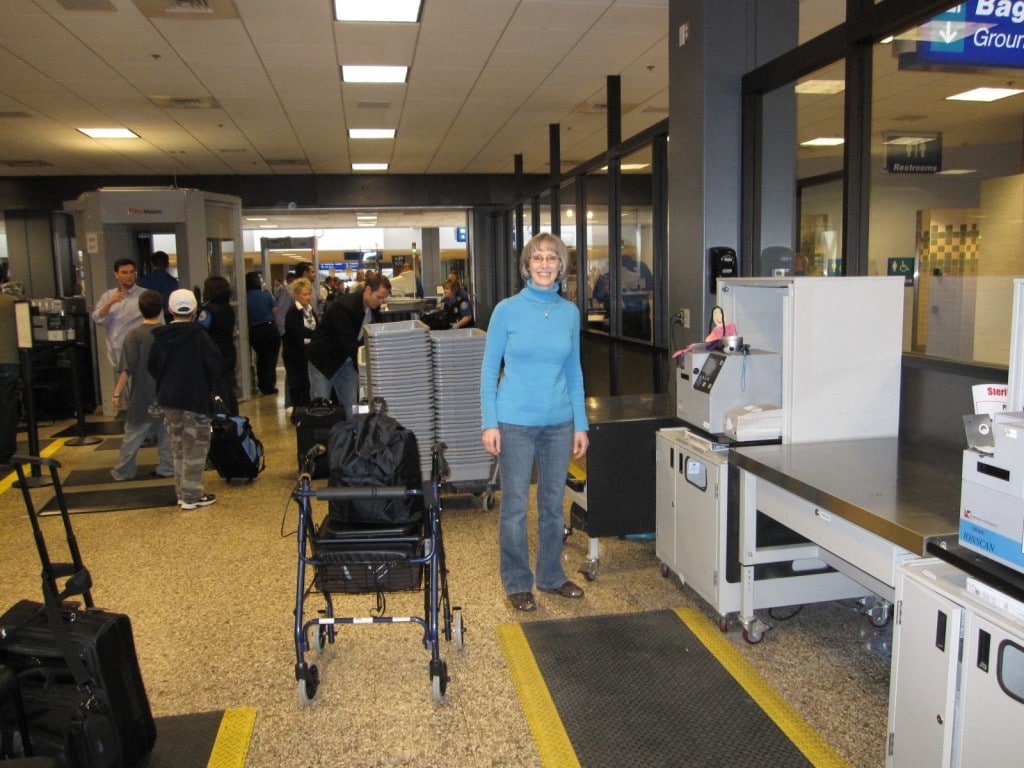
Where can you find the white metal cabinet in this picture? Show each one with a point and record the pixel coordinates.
(692, 517)
(956, 692)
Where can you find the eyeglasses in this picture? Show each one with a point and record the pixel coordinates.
(541, 259)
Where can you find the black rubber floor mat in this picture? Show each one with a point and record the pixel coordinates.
(202, 740)
(93, 428)
(101, 475)
(113, 499)
(642, 689)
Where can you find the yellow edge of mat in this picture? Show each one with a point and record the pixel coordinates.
(799, 731)
(542, 717)
(232, 744)
(8, 482)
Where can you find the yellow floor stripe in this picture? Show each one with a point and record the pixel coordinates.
(806, 739)
(549, 734)
(232, 744)
(8, 482)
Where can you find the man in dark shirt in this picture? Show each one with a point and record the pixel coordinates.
(334, 348)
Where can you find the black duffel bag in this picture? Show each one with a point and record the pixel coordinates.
(374, 450)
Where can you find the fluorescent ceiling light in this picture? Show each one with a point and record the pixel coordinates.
(822, 141)
(375, 10)
(108, 133)
(956, 172)
(369, 166)
(371, 133)
(366, 216)
(360, 74)
(821, 87)
(985, 94)
(256, 218)
(908, 141)
(268, 226)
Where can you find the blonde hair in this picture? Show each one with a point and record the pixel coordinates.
(534, 243)
(300, 284)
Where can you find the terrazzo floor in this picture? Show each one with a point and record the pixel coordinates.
(211, 593)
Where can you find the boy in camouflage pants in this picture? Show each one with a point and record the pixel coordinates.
(186, 363)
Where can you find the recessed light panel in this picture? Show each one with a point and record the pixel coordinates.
(363, 74)
(108, 133)
(375, 10)
(984, 94)
(369, 166)
(822, 141)
(371, 133)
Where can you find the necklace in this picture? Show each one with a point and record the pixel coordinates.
(547, 312)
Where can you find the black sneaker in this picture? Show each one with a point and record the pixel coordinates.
(205, 501)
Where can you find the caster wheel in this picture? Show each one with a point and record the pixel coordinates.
(308, 687)
(723, 624)
(458, 629)
(439, 680)
(665, 571)
(319, 638)
(488, 502)
(753, 636)
(879, 616)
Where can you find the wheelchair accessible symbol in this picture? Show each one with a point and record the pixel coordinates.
(904, 267)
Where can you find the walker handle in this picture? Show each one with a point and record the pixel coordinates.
(334, 493)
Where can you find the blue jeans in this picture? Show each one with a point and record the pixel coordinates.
(344, 382)
(550, 447)
(135, 433)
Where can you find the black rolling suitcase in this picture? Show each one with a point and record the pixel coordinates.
(313, 424)
(235, 451)
(77, 667)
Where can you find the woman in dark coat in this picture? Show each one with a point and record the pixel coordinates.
(299, 323)
(218, 317)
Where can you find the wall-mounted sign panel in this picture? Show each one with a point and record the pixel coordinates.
(913, 152)
(982, 33)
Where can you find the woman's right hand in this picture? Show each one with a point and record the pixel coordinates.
(492, 440)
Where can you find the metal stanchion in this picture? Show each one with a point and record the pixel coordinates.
(36, 479)
(83, 438)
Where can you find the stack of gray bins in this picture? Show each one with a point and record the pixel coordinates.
(457, 358)
(398, 370)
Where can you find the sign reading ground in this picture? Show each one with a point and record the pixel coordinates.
(982, 33)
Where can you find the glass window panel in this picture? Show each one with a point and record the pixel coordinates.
(636, 281)
(819, 162)
(599, 307)
(946, 204)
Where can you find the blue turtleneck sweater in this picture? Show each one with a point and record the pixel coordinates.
(536, 333)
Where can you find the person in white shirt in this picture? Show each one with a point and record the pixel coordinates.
(117, 311)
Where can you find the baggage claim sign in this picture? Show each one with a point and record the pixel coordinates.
(979, 34)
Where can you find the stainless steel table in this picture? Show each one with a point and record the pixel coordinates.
(865, 506)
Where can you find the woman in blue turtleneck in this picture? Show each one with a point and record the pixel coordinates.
(535, 413)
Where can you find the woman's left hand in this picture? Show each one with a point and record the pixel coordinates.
(580, 441)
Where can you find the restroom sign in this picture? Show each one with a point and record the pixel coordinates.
(902, 266)
(913, 152)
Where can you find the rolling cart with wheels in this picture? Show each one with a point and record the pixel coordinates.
(372, 559)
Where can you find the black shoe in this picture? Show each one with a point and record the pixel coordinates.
(523, 601)
(568, 589)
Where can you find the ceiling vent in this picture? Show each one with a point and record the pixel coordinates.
(25, 163)
(600, 108)
(187, 9)
(185, 102)
(373, 104)
(86, 5)
(288, 163)
(16, 113)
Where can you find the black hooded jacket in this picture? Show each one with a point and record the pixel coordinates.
(185, 363)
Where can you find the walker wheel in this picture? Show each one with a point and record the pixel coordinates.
(319, 638)
(308, 686)
(458, 630)
(439, 679)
